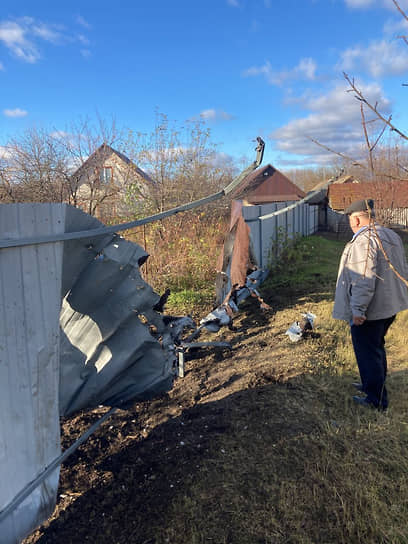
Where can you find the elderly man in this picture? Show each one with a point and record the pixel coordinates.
(370, 291)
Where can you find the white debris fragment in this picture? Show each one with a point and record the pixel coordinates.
(294, 332)
(297, 330)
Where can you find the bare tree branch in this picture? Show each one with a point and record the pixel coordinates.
(359, 96)
(370, 151)
(390, 176)
(404, 38)
(387, 258)
(379, 137)
(355, 163)
(400, 10)
(402, 167)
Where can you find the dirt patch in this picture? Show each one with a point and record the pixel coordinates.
(118, 485)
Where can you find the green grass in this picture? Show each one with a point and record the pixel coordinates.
(310, 263)
(189, 301)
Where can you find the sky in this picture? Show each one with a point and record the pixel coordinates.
(248, 68)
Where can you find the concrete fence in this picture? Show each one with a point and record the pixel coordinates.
(395, 217)
(272, 225)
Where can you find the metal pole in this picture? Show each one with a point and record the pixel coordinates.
(25, 492)
(132, 224)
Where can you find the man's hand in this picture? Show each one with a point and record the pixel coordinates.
(358, 319)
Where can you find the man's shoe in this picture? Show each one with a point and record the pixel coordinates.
(358, 386)
(363, 401)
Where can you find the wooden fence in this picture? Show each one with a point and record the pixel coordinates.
(273, 225)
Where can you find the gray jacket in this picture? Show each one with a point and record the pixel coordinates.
(366, 284)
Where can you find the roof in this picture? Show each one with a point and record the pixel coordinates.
(345, 179)
(267, 184)
(321, 188)
(338, 181)
(386, 194)
(103, 152)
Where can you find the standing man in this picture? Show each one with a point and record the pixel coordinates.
(369, 293)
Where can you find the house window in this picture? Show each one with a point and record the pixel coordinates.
(106, 175)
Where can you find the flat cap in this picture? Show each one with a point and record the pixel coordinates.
(365, 205)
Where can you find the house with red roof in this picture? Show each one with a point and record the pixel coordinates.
(390, 197)
(266, 185)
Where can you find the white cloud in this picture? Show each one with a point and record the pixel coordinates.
(233, 3)
(379, 59)
(394, 27)
(14, 37)
(22, 37)
(17, 112)
(82, 21)
(48, 33)
(86, 53)
(306, 69)
(1, 66)
(359, 3)
(59, 134)
(334, 119)
(362, 4)
(83, 39)
(5, 153)
(216, 115)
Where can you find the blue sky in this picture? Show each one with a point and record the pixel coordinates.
(248, 67)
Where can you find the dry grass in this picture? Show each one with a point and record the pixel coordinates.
(183, 250)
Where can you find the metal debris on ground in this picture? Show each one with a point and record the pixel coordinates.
(300, 329)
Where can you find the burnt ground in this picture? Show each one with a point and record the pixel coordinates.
(118, 486)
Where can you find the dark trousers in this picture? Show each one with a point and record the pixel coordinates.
(368, 342)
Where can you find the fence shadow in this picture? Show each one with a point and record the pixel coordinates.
(133, 493)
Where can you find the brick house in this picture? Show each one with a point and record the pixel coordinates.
(391, 199)
(108, 184)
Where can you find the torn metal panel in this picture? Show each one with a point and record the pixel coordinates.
(237, 260)
(234, 259)
(109, 352)
(79, 252)
(114, 346)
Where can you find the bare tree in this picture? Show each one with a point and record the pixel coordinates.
(34, 168)
(82, 140)
(182, 161)
(358, 94)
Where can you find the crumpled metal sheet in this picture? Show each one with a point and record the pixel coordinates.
(106, 345)
(114, 347)
(237, 268)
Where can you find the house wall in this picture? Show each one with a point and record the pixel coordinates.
(110, 199)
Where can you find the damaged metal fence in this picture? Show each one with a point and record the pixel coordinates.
(115, 346)
(273, 224)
